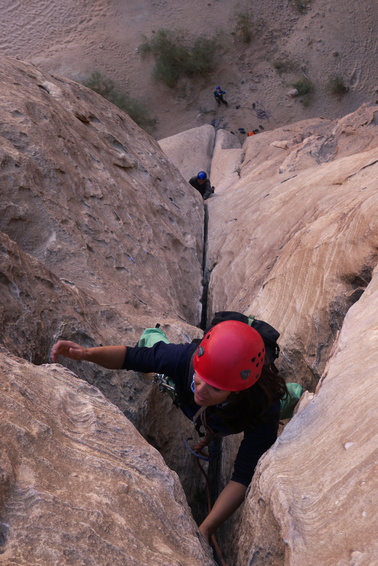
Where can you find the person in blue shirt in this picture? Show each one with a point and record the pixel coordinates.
(226, 384)
(218, 95)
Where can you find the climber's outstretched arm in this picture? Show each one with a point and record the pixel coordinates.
(110, 357)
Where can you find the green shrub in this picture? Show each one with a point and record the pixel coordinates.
(336, 85)
(124, 101)
(283, 65)
(303, 86)
(305, 100)
(99, 84)
(301, 6)
(244, 26)
(305, 89)
(202, 56)
(176, 57)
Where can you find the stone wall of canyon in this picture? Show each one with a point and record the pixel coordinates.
(101, 237)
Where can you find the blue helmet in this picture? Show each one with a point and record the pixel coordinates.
(202, 175)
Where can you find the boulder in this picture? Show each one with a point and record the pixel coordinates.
(297, 248)
(293, 93)
(313, 499)
(92, 196)
(78, 483)
(100, 238)
(191, 151)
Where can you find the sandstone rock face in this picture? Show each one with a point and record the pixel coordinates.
(79, 485)
(101, 236)
(294, 242)
(191, 151)
(94, 198)
(317, 487)
(37, 308)
(227, 160)
(91, 250)
(208, 149)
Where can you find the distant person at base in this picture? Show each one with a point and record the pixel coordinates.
(202, 183)
(218, 95)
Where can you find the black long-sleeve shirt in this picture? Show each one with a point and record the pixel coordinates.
(174, 360)
(205, 189)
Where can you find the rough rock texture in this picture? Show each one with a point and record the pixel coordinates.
(191, 151)
(206, 148)
(37, 308)
(105, 241)
(93, 197)
(317, 487)
(295, 240)
(78, 483)
(100, 238)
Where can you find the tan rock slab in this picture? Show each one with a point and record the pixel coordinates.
(191, 151)
(78, 482)
(317, 487)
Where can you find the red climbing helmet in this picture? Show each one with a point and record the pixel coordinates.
(230, 356)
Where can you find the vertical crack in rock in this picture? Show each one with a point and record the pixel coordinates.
(205, 272)
(215, 466)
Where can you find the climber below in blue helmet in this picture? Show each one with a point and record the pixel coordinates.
(201, 182)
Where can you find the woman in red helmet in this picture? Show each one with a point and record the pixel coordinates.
(224, 384)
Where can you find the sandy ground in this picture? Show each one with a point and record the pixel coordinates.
(74, 39)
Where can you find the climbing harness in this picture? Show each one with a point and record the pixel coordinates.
(164, 383)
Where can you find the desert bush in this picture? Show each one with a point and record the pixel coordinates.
(301, 6)
(305, 89)
(176, 56)
(244, 26)
(283, 65)
(99, 84)
(202, 56)
(336, 85)
(303, 86)
(124, 101)
(306, 99)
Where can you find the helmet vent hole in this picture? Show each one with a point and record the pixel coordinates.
(253, 360)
